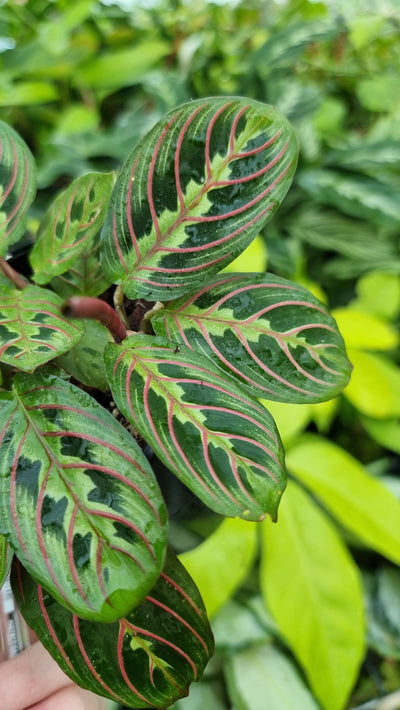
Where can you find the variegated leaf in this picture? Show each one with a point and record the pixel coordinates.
(85, 277)
(79, 502)
(147, 659)
(274, 335)
(17, 186)
(70, 224)
(219, 441)
(6, 555)
(32, 327)
(194, 193)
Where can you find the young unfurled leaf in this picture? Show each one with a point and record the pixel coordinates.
(70, 224)
(220, 442)
(274, 335)
(194, 193)
(79, 502)
(32, 327)
(147, 659)
(85, 276)
(17, 186)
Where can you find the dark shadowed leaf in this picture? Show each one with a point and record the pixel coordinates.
(17, 186)
(32, 327)
(79, 501)
(194, 193)
(219, 441)
(70, 225)
(274, 335)
(147, 659)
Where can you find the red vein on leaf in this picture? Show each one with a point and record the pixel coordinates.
(15, 166)
(239, 482)
(71, 561)
(182, 592)
(179, 618)
(213, 472)
(128, 524)
(187, 269)
(13, 499)
(116, 244)
(51, 629)
(129, 210)
(259, 149)
(92, 439)
(121, 663)
(177, 155)
(150, 421)
(298, 367)
(21, 200)
(234, 127)
(151, 176)
(89, 663)
(210, 129)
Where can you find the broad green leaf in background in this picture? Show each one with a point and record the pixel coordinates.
(222, 562)
(70, 225)
(358, 501)
(79, 501)
(124, 67)
(17, 186)
(28, 93)
(146, 659)
(253, 258)
(385, 431)
(311, 586)
(374, 388)
(363, 330)
(263, 677)
(274, 335)
(356, 195)
(220, 442)
(194, 193)
(32, 327)
(379, 293)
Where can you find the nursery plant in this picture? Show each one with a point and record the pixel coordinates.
(125, 331)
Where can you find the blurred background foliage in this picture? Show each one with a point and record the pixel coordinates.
(82, 82)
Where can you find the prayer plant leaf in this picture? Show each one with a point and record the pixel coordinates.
(85, 276)
(219, 441)
(147, 659)
(79, 502)
(274, 335)
(17, 186)
(70, 224)
(33, 329)
(194, 193)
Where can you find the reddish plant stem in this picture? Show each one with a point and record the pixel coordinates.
(88, 307)
(12, 275)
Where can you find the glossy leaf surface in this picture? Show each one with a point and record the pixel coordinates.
(79, 502)
(70, 224)
(194, 193)
(147, 659)
(220, 442)
(32, 327)
(17, 186)
(274, 335)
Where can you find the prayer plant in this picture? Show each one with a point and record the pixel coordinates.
(129, 331)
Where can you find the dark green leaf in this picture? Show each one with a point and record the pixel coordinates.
(274, 335)
(32, 327)
(147, 659)
(194, 193)
(78, 500)
(219, 441)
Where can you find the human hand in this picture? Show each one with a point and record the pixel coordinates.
(33, 681)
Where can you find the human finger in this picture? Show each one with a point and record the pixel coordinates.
(71, 697)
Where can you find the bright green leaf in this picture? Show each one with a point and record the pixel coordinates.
(123, 67)
(359, 502)
(363, 330)
(254, 258)
(291, 419)
(374, 388)
(312, 587)
(385, 431)
(379, 293)
(29, 93)
(263, 677)
(222, 562)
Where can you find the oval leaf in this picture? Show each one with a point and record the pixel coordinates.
(79, 502)
(273, 334)
(147, 659)
(70, 224)
(32, 327)
(312, 587)
(221, 443)
(194, 193)
(17, 186)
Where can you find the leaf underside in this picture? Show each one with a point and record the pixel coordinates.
(32, 327)
(194, 193)
(219, 441)
(17, 186)
(79, 502)
(147, 659)
(274, 335)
